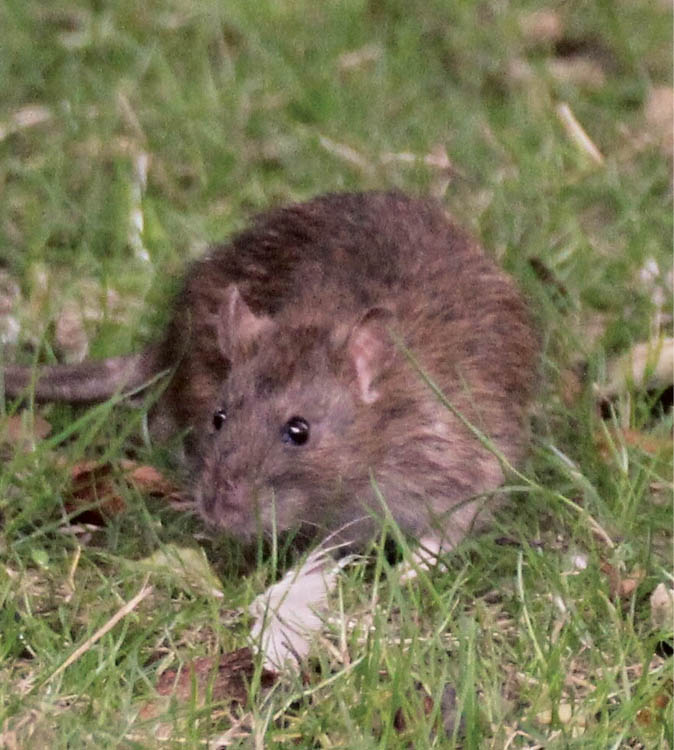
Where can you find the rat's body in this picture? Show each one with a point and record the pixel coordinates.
(290, 347)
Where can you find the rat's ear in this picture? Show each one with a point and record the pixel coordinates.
(238, 326)
(371, 350)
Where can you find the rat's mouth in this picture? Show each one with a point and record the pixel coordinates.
(235, 510)
(234, 521)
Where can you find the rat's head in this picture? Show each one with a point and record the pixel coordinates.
(290, 439)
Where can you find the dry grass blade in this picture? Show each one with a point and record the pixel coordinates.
(144, 592)
(347, 154)
(26, 117)
(577, 134)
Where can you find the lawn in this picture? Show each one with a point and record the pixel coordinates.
(133, 135)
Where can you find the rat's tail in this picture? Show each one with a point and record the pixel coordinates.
(83, 383)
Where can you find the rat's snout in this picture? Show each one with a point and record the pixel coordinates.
(228, 504)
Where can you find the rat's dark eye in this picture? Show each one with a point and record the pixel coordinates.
(295, 430)
(219, 418)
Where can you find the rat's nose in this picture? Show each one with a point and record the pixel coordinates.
(227, 505)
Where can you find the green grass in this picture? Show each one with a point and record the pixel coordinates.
(240, 105)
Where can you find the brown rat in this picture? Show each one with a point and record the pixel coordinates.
(290, 348)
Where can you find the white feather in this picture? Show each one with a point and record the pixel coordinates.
(289, 613)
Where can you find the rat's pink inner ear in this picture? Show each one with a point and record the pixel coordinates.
(371, 350)
(238, 326)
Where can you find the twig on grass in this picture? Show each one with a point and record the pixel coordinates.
(144, 592)
(347, 154)
(26, 117)
(577, 133)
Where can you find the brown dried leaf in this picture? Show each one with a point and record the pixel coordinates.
(645, 717)
(233, 673)
(447, 714)
(628, 585)
(654, 445)
(149, 479)
(24, 432)
(648, 716)
(619, 586)
(613, 575)
(93, 483)
(96, 483)
(663, 699)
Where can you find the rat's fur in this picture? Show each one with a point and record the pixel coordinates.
(310, 313)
